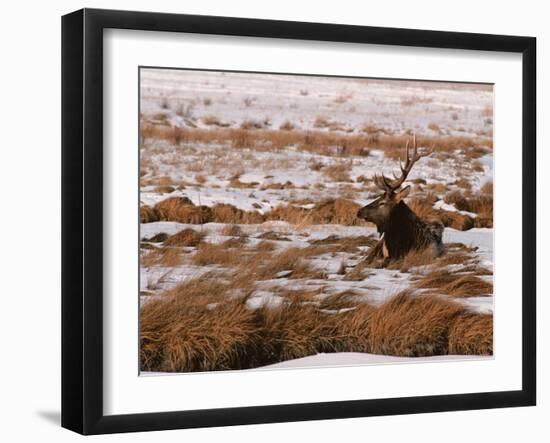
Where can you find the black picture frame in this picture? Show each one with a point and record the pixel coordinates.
(82, 218)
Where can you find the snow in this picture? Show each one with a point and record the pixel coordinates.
(358, 359)
(350, 102)
(440, 204)
(377, 286)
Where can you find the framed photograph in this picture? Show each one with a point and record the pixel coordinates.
(270, 221)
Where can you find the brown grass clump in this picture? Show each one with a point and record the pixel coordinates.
(160, 181)
(291, 259)
(181, 209)
(241, 139)
(278, 186)
(467, 286)
(232, 231)
(291, 214)
(212, 254)
(186, 237)
(412, 326)
(226, 213)
(434, 279)
(471, 334)
(413, 258)
(265, 246)
(423, 209)
(236, 183)
(157, 238)
(458, 199)
(286, 126)
(455, 220)
(295, 330)
(164, 189)
(234, 242)
(168, 257)
(454, 258)
(338, 172)
(211, 120)
(147, 214)
(339, 211)
(185, 332)
(345, 244)
(477, 151)
(358, 272)
(274, 236)
(482, 205)
(454, 285)
(463, 184)
(202, 326)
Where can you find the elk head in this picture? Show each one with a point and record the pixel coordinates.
(379, 210)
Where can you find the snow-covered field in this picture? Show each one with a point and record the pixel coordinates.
(256, 176)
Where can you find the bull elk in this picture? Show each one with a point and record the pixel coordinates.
(400, 229)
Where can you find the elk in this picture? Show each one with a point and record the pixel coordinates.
(400, 229)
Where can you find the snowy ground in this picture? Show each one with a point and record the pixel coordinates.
(352, 103)
(256, 179)
(375, 289)
(356, 358)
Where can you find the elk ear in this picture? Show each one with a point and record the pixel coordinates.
(402, 194)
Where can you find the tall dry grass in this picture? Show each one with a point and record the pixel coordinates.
(182, 210)
(202, 326)
(334, 142)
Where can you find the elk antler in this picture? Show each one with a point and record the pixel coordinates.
(390, 185)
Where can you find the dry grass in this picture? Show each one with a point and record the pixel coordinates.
(345, 244)
(321, 142)
(434, 279)
(198, 326)
(286, 126)
(232, 231)
(186, 237)
(413, 258)
(274, 236)
(425, 211)
(226, 213)
(412, 326)
(165, 256)
(471, 334)
(157, 181)
(330, 211)
(359, 272)
(236, 183)
(157, 238)
(278, 186)
(454, 285)
(481, 204)
(181, 209)
(291, 261)
(164, 189)
(213, 254)
(265, 246)
(147, 214)
(338, 172)
(183, 332)
(467, 286)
